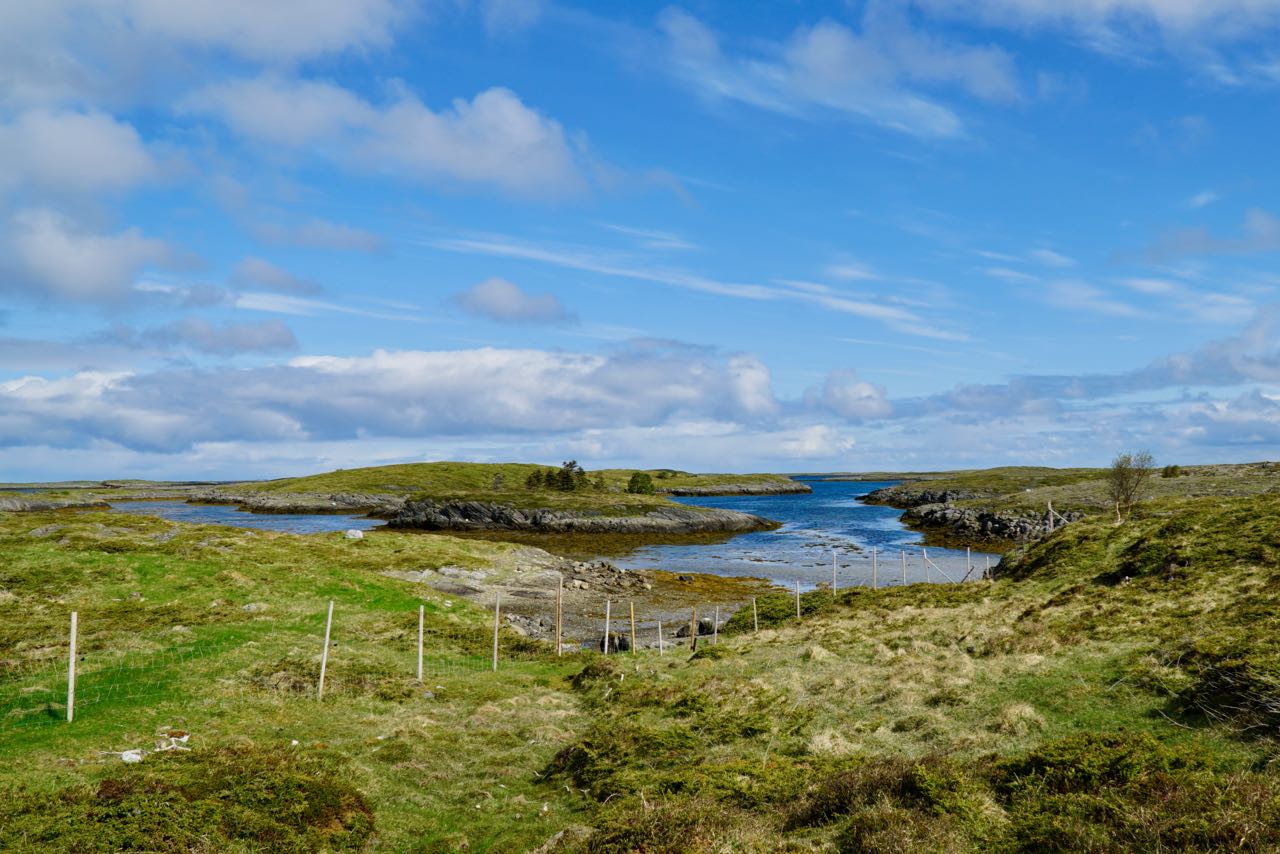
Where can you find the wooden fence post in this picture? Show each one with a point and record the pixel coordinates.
(71, 671)
(903, 552)
(693, 630)
(633, 627)
(755, 617)
(324, 656)
(875, 569)
(833, 573)
(497, 624)
(421, 614)
(559, 614)
(607, 605)
(924, 553)
(715, 627)
(661, 651)
(797, 598)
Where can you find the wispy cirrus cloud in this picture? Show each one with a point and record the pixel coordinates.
(623, 266)
(877, 73)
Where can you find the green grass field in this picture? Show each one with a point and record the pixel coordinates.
(1118, 688)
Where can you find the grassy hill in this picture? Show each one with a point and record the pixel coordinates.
(461, 480)
(1030, 487)
(1118, 688)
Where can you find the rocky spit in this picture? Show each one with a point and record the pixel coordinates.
(935, 510)
(432, 515)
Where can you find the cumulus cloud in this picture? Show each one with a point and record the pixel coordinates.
(844, 394)
(500, 300)
(47, 256)
(73, 152)
(73, 51)
(874, 74)
(494, 139)
(258, 273)
(390, 394)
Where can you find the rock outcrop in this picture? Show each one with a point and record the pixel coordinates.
(372, 504)
(977, 525)
(30, 505)
(434, 515)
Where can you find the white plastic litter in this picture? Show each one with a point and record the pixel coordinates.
(354, 534)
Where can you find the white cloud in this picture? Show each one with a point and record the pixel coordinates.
(256, 272)
(493, 139)
(1202, 199)
(1259, 233)
(851, 398)
(622, 266)
(318, 234)
(1049, 258)
(114, 52)
(500, 300)
(278, 31)
(228, 339)
(388, 394)
(47, 256)
(503, 17)
(872, 74)
(1230, 41)
(73, 152)
(1179, 19)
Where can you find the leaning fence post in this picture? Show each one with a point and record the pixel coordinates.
(755, 616)
(715, 627)
(71, 671)
(693, 630)
(324, 655)
(421, 613)
(633, 627)
(928, 576)
(497, 624)
(607, 605)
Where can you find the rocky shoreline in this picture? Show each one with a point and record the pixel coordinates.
(793, 487)
(430, 515)
(935, 513)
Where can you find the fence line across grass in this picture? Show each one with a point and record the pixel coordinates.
(63, 684)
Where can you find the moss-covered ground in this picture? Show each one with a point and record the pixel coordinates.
(1116, 689)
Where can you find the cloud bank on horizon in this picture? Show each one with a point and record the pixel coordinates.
(248, 240)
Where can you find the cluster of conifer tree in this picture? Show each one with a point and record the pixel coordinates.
(570, 477)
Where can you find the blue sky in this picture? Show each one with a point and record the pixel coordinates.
(243, 240)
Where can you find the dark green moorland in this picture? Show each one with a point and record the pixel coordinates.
(1116, 689)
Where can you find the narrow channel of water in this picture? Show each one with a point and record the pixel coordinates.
(227, 514)
(830, 521)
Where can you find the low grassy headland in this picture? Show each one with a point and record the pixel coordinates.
(1116, 688)
(998, 508)
(510, 497)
